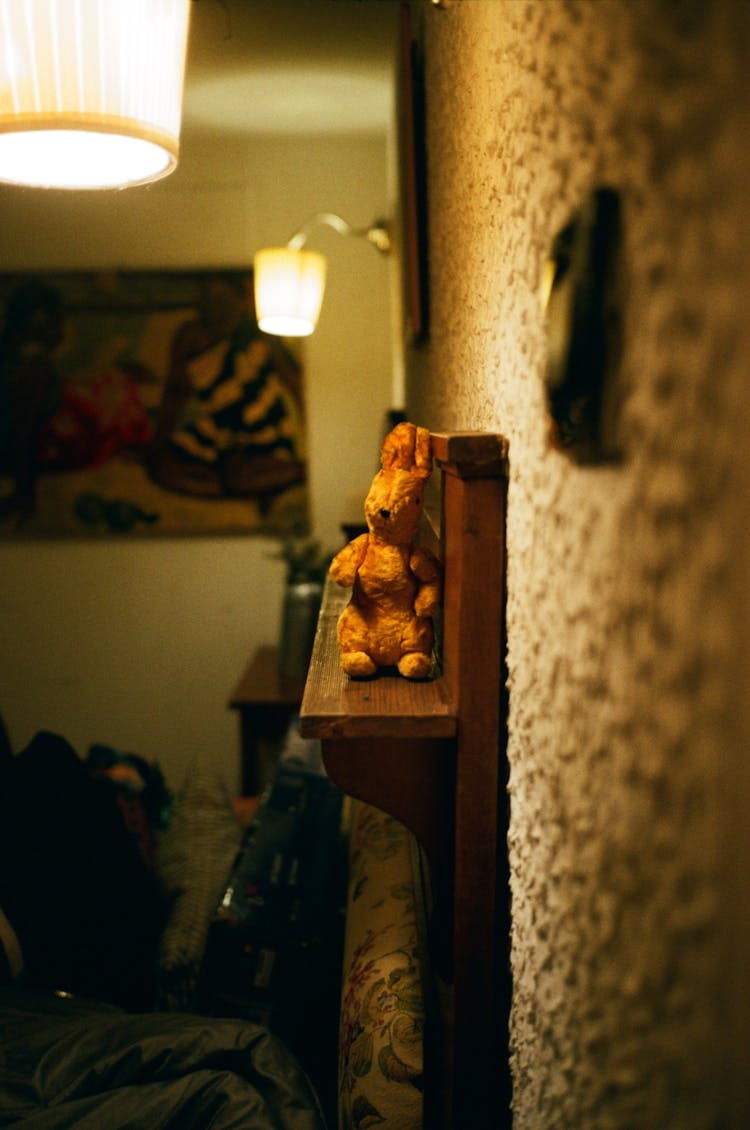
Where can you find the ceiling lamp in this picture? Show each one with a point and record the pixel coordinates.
(290, 280)
(90, 91)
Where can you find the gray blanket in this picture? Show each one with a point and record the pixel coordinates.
(68, 1063)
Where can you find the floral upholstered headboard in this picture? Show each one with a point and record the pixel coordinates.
(381, 1062)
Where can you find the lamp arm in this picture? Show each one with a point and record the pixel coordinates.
(377, 234)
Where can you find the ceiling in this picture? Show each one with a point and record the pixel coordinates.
(291, 66)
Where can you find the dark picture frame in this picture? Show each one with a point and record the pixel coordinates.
(146, 403)
(413, 179)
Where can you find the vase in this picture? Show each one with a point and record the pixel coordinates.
(299, 619)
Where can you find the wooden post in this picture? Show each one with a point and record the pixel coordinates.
(474, 498)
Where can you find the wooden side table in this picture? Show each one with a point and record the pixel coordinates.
(266, 703)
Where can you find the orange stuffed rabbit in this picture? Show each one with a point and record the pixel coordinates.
(396, 585)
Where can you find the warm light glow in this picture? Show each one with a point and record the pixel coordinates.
(289, 288)
(90, 91)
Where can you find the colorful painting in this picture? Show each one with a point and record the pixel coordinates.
(146, 403)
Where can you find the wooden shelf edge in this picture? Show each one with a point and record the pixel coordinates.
(335, 726)
(471, 455)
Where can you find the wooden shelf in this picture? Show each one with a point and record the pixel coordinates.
(385, 706)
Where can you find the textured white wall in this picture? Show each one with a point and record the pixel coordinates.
(627, 617)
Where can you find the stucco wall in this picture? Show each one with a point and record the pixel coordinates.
(626, 630)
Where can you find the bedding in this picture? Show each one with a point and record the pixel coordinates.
(67, 1062)
(101, 941)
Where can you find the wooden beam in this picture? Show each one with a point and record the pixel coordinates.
(473, 522)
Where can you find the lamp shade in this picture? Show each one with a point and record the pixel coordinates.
(289, 286)
(90, 91)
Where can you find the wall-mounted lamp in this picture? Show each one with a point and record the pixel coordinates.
(90, 91)
(289, 281)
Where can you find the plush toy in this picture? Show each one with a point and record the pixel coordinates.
(396, 585)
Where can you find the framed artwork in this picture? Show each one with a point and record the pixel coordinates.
(146, 403)
(413, 177)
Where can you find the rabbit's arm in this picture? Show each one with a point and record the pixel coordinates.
(343, 568)
(426, 569)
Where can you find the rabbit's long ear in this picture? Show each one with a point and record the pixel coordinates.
(423, 452)
(398, 448)
(407, 448)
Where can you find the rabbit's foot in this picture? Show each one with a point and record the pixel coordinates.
(415, 665)
(358, 664)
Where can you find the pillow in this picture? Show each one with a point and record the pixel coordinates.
(194, 857)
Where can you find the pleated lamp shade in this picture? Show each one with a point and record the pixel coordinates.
(289, 285)
(90, 91)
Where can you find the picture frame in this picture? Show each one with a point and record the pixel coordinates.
(146, 403)
(413, 180)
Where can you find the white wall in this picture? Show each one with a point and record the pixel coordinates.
(139, 644)
(134, 644)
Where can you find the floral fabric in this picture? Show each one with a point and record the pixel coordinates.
(382, 1013)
